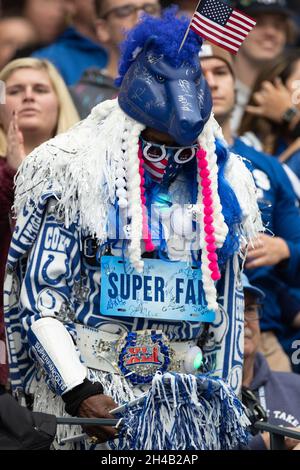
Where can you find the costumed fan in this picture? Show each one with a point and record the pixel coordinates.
(123, 275)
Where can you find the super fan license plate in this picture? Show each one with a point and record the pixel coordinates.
(165, 290)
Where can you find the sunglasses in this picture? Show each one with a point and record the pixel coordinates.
(129, 10)
(253, 312)
(156, 153)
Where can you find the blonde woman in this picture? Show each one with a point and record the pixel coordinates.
(38, 106)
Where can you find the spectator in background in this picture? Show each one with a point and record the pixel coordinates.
(15, 33)
(38, 106)
(274, 30)
(272, 118)
(48, 18)
(273, 263)
(293, 5)
(186, 7)
(77, 48)
(278, 393)
(114, 18)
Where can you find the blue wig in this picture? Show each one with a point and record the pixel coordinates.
(168, 33)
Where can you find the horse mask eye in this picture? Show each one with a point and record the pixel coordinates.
(160, 79)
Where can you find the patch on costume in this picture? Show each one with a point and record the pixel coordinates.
(142, 354)
(165, 290)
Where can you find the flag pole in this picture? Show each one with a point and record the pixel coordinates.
(188, 30)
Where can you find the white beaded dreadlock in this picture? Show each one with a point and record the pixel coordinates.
(135, 210)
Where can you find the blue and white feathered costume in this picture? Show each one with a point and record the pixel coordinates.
(48, 278)
(70, 193)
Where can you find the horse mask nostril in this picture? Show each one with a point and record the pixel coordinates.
(185, 125)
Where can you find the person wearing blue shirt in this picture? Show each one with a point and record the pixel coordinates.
(273, 262)
(77, 49)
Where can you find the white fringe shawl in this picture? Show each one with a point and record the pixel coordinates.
(83, 165)
(80, 167)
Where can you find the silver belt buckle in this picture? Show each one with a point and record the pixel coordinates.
(141, 354)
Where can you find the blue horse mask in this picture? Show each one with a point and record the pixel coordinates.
(173, 100)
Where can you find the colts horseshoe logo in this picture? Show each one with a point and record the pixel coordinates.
(154, 153)
(56, 281)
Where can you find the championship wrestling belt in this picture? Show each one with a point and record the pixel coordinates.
(137, 355)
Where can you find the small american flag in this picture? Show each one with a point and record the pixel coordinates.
(222, 25)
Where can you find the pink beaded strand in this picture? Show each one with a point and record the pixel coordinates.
(208, 211)
(149, 246)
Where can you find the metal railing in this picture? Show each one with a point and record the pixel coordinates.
(277, 433)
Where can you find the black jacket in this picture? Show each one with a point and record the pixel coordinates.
(93, 88)
(21, 429)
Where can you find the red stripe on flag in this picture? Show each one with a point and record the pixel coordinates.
(244, 14)
(243, 20)
(236, 34)
(243, 27)
(217, 43)
(233, 30)
(205, 23)
(222, 37)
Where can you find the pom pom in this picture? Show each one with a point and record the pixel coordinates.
(207, 192)
(206, 183)
(208, 219)
(208, 210)
(211, 248)
(121, 193)
(216, 276)
(204, 173)
(203, 164)
(207, 201)
(210, 239)
(213, 266)
(212, 257)
(149, 246)
(209, 229)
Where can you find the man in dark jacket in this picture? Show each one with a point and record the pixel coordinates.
(20, 429)
(277, 392)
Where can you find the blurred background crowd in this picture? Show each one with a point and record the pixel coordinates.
(59, 58)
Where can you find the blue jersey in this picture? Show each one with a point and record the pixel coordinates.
(73, 54)
(281, 217)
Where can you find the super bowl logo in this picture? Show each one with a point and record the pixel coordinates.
(142, 354)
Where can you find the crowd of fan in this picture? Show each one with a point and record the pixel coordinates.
(59, 58)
